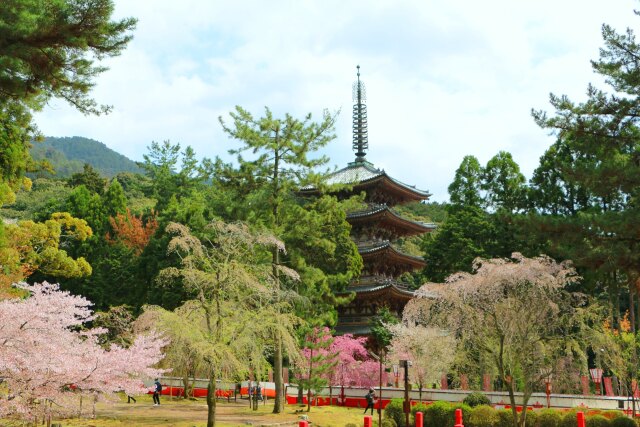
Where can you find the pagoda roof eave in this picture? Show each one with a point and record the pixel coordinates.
(387, 247)
(364, 174)
(383, 211)
(390, 289)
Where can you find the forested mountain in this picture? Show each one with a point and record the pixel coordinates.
(67, 156)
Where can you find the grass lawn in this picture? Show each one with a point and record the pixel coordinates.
(193, 413)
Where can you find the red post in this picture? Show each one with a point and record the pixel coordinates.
(368, 421)
(581, 422)
(303, 424)
(419, 416)
(459, 418)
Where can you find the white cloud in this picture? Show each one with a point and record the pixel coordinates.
(444, 79)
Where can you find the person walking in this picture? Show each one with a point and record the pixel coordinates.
(156, 393)
(371, 398)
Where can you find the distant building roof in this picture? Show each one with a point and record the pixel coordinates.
(362, 173)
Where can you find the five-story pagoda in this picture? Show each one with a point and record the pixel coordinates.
(375, 228)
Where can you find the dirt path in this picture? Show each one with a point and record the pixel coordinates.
(234, 413)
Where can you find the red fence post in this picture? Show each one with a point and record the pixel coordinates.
(459, 418)
(368, 421)
(419, 416)
(303, 424)
(580, 416)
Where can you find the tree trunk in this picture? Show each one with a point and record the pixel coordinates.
(278, 404)
(211, 401)
(309, 381)
(632, 312)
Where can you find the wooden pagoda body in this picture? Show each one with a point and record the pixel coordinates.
(374, 230)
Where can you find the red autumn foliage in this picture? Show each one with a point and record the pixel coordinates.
(131, 231)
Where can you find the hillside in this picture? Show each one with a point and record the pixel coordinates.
(67, 155)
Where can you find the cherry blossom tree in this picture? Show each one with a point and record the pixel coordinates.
(47, 355)
(430, 350)
(350, 361)
(515, 313)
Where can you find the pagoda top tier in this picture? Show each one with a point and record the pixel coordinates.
(380, 188)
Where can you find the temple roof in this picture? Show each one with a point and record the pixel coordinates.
(362, 174)
(382, 213)
(385, 247)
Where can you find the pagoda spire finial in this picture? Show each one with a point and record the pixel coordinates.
(360, 133)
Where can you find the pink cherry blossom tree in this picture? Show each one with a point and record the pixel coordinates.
(352, 364)
(46, 355)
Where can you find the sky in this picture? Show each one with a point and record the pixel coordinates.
(444, 79)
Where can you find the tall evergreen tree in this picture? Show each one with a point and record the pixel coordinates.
(602, 134)
(466, 186)
(282, 159)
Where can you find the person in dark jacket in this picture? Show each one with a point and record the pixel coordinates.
(156, 393)
(371, 399)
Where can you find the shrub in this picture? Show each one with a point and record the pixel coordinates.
(623, 422)
(393, 411)
(420, 407)
(612, 414)
(505, 418)
(388, 422)
(532, 417)
(570, 419)
(598, 421)
(482, 416)
(476, 399)
(442, 414)
(548, 418)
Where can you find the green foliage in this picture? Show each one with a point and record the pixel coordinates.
(569, 419)
(505, 418)
(482, 416)
(394, 411)
(46, 197)
(174, 175)
(443, 414)
(504, 183)
(476, 399)
(587, 185)
(466, 185)
(623, 421)
(379, 329)
(90, 178)
(423, 211)
(16, 134)
(468, 233)
(598, 421)
(386, 422)
(53, 48)
(548, 418)
(67, 156)
(275, 158)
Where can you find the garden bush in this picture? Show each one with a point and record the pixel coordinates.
(623, 422)
(532, 417)
(548, 418)
(420, 407)
(612, 414)
(388, 422)
(570, 419)
(393, 411)
(476, 399)
(598, 421)
(482, 416)
(505, 418)
(442, 414)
